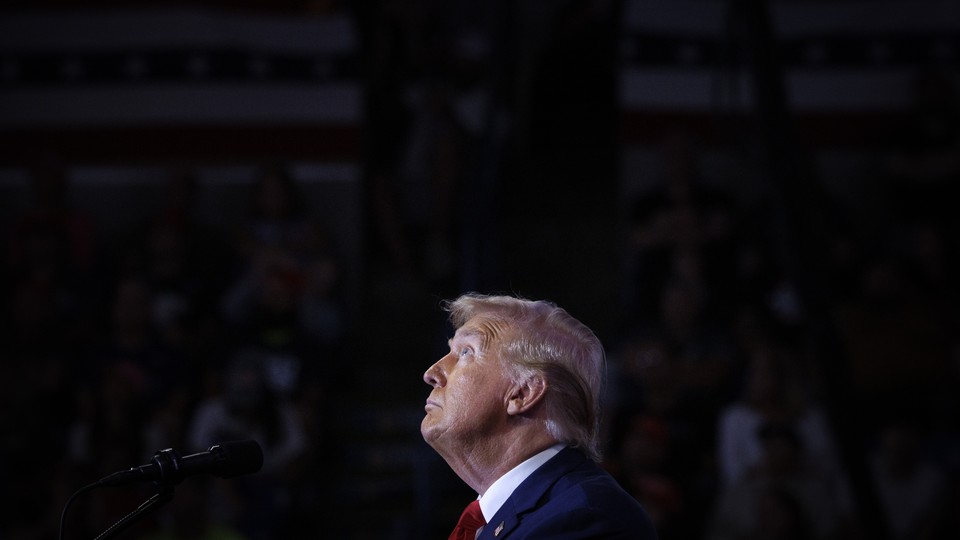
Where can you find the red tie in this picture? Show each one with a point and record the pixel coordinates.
(470, 520)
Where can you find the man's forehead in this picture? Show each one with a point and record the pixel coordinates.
(484, 327)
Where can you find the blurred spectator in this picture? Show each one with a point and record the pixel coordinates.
(50, 253)
(426, 91)
(911, 487)
(286, 302)
(40, 307)
(705, 349)
(50, 257)
(134, 341)
(414, 200)
(887, 321)
(785, 494)
(51, 237)
(247, 408)
(644, 463)
(644, 377)
(683, 361)
(182, 259)
(430, 174)
(119, 391)
(924, 167)
(772, 393)
(288, 265)
(684, 257)
(271, 321)
(276, 223)
(674, 376)
(107, 436)
(313, 504)
(682, 229)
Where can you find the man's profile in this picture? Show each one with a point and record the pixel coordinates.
(514, 410)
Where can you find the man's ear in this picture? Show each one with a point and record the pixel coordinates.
(526, 394)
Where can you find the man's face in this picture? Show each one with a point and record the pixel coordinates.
(468, 403)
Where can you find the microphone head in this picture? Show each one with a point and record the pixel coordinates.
(237, 457)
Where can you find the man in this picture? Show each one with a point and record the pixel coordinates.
(515, 412)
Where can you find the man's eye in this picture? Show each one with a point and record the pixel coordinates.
(465, 351)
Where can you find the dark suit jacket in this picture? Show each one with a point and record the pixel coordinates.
(569, 497)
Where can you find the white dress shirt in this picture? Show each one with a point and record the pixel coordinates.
(500, 491)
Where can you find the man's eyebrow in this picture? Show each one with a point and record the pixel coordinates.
(472, 332)
(487, 331)
(466, 333)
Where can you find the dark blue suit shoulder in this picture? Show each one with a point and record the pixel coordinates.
(571, 497)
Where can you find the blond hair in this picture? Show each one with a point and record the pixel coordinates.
(538, 337)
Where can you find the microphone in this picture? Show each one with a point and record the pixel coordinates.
(225, 460)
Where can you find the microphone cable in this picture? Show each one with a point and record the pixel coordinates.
(63, 515)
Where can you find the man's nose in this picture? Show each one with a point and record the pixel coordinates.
(435, 376)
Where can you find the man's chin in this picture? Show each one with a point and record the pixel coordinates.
(426, 429)
(430, 431)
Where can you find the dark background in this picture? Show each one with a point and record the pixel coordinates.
(239, 220)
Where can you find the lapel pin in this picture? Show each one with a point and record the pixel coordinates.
(496, 532)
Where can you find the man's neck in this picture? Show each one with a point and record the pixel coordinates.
(497, 494)
(484, 464)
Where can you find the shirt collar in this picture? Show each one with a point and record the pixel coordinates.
(500, 491)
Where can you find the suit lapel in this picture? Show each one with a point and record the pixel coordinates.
(530, 494)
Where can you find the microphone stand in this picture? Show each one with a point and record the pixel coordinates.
(169, 463)
(225, 460)
(163, 495)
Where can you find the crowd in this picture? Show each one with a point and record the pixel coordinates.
(738, 408)
(172, 333)
(742, 408)
(723, 417)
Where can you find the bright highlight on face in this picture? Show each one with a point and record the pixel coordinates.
(470, 388)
